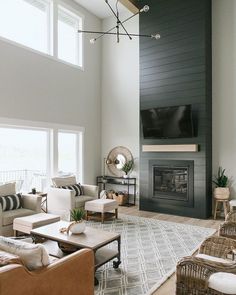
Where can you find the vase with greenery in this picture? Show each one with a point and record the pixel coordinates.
(78, 225)
(221, 190)
(127, 167)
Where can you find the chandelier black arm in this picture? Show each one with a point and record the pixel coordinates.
(118, 20)
(112, 33)
(104, 33)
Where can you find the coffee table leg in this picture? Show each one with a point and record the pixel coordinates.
(118, 262)
(116, 213)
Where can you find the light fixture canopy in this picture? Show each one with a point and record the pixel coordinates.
(119, 24)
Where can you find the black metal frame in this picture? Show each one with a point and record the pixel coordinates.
(117, 27)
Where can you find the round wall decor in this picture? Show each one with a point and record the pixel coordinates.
(116, 159)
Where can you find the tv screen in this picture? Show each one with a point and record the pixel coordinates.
(167, 122)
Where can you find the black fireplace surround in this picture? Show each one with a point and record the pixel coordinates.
(176, 70)
(171, 182)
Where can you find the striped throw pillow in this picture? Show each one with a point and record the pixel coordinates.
(74, 187)
(11, 202)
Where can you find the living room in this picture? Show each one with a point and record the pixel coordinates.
(94, 102)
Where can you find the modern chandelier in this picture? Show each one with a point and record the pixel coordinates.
(119, 24)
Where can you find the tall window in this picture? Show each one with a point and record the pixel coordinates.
(69, 41)
(26, 22)
(34, 23)
(23, 158)
(67, 153)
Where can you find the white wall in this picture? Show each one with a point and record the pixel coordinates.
(34, 87)
(120, 91)
(224, 87)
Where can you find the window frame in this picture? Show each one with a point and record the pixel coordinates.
(79, 149)
(80, 39)
(52, 143)
(53, 35)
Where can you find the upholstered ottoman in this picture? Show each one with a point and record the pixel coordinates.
(27, 223)
(100, 209)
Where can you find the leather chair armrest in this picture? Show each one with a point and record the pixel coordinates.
(32, 202)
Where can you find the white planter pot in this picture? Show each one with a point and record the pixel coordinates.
(221, 193)
(77, 227)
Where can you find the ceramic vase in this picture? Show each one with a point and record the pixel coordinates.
(77, 227)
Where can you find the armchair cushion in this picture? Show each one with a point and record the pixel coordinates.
(32, 255)
(7, 189)
(61, 181)
(79, 202)
(223, 282)
(213, 258)
(9, 216)
(9, 258)
(11, 202)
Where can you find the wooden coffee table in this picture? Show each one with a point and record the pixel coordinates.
(95, 239)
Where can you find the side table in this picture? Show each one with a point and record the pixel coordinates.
(44, 203)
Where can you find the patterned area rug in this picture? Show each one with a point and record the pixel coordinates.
(150, 249)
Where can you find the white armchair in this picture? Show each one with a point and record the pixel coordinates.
(61, 201)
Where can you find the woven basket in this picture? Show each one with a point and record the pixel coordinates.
(110, 194)
(121, 198)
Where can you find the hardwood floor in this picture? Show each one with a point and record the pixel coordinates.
(168, 288)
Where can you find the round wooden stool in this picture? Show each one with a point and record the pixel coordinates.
(225, 204)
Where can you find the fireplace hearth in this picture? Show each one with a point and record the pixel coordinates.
(171, 181)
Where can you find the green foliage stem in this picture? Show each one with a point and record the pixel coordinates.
(127, 166)
(221, 180)
(77, 214)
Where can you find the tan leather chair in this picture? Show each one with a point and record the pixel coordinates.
(72, 275)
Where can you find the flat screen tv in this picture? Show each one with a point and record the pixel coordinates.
(167, 122)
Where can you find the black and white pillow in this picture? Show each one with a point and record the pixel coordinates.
(11, 202)
(74, 187)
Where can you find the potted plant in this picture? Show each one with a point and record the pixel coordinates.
(78, 224)
(127, 167)
(221, 190)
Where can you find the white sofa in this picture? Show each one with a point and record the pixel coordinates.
(61, 201)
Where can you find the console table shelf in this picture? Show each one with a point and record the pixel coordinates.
(129, 182)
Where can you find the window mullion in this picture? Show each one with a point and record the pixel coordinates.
(55, 29)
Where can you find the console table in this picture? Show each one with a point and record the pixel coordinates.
(129, 182)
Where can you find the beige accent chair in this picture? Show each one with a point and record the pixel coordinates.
(61, 201)
(31, 204)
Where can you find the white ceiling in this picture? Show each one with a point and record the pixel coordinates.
(100, 8)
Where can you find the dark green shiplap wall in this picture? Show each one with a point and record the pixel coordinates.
(176, 70)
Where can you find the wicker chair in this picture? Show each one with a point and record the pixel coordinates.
(228, 228)
(231, 216)
(193, 273)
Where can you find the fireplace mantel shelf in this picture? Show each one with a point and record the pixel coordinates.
(170, 148)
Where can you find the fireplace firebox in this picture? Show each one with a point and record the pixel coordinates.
(171, 181)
